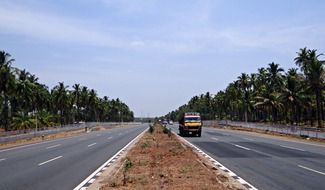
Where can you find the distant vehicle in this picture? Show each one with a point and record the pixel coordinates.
(165, 122)
(190, 123)
(171, 122)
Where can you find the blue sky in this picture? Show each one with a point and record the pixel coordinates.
(155, 55)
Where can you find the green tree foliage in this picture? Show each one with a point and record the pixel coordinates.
(269, 95)
(23, 99)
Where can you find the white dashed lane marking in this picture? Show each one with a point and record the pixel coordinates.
(109, 137)
(242, 147)
(2, 159)
(50, 160)
(292, 148)
(214, 138)
(92, 144)
(53, 146)
(306, 168)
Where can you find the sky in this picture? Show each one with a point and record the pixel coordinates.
(156, 54)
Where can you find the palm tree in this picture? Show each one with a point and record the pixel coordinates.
(7, 85)
(272, 103)
(274, 77)
(93, 105)
(293, 93)
(302, 58)
(244, 83)
(60, 99)
(22, 122)
(84, 98)
(25, 89)
(314, 72)
(76, 99)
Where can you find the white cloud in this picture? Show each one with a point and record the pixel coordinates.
(129, 7)
(22, 21)
(53, 28)
(196, 33)
(274, 37)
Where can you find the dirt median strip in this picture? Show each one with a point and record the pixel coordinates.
(159, 160)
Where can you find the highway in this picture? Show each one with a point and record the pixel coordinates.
(266, 162)
(62, 163)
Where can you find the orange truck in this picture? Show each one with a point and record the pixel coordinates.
(190, 123)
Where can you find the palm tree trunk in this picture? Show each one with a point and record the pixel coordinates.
(318, 104)
(61, 118)
(297, 116)
(6, 113)
(245, 113)
(321, 106)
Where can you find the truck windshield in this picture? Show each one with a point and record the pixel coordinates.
(192, 119)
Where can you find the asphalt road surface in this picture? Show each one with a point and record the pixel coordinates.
(266, 162)
(62, 163)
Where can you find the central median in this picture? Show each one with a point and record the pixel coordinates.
(160, 160)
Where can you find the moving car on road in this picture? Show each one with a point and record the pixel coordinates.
(190, 123)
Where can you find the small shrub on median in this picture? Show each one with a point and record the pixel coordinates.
(151, 128)
(127, 165)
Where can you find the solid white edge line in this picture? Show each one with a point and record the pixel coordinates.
(50, 160)
(109, 160)
(306, 168)
(291, 148)
(242, 147)
(53, 146)
(241, 180)
(92, 144)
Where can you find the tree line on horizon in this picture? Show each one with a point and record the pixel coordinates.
(295, 96)
(25, 102)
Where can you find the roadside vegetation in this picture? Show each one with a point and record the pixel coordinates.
(295, 96)
(25, 102)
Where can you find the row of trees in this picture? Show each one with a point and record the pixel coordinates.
(25, 101)
(270, 95)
